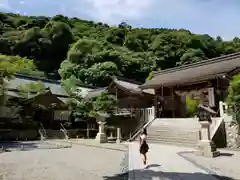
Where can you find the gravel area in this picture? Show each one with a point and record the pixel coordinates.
(227, 164)
(78, 162)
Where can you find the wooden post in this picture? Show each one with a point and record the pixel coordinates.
(174, 103)
(88, 131)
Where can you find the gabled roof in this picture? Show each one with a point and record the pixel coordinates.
(201, 71)
(53, 85)
(131, 86)
(43, 94)
(95, 92)
(127, 85)
(123, 84)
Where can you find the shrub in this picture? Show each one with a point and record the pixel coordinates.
(192, 106)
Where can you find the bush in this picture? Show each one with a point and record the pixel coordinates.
(192, 106)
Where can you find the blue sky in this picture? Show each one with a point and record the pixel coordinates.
(213, 17)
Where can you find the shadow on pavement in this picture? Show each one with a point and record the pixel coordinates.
(18, 144)
(226, 154)
(152, 165)
(101, 146)
(146, 174)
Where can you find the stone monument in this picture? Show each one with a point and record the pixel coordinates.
(205, 146)
(101, 135)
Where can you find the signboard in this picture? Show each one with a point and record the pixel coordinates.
(211, 98)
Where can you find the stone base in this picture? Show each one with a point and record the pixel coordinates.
(101, 138)
(118, 141)
(207, 149)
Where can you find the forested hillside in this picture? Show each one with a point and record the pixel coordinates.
(94, 51)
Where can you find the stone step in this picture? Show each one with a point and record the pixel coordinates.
(55, 134)
(184, 129)
(179, 143)
(185, 124)
(173, 133)
(172, 139)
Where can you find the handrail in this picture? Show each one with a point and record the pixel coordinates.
(45, 133)
(140, 129)
(140, 126)
(64, 130)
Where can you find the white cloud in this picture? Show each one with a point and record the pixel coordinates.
(214, 17)
(21, 2)
(113, 11)
(4, 4)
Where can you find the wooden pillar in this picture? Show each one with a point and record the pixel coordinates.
(174, 103)
(155, 99)
(162, 101)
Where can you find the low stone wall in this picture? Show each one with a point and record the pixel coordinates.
(232, 135)
(13, 135)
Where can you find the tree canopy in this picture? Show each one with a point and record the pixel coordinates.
(93, 51)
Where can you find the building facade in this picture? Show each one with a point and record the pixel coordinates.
(206, 81)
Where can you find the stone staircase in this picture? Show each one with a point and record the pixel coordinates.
(181, 132)
(52, 134)
(55, 134)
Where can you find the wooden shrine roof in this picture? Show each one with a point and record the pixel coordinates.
(201, 71)
(123, 84)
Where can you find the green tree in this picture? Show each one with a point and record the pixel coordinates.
(9, 65)
(92, 107)
(192, 56)
(233, 99)
(49, 41)
(192, 106)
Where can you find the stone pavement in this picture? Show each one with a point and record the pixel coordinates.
(164, 163)
(90, 161)
(227, 164)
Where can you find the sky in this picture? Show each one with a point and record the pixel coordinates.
(213, 17)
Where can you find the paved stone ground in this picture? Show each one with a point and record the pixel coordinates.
(227, 164)
(79, 162)
(89, 160)
(165, 163)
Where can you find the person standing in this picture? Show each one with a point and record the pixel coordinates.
(144, 147)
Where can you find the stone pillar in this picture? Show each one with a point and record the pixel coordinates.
(154, 112)
(101, 136)
(118, 135)
(205, 146)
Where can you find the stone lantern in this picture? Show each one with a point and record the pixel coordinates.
(101, 120)
(205, 145)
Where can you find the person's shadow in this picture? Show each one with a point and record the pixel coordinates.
(152, 166)
(147, 174)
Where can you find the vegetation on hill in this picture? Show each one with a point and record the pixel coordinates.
(98, 51)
